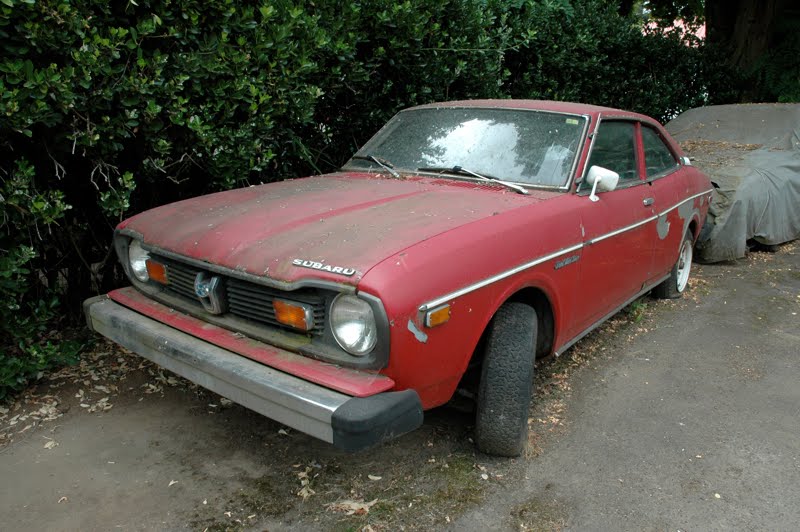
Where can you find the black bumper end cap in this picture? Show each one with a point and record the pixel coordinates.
(363, 422)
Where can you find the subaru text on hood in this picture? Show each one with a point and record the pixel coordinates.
(461, 242)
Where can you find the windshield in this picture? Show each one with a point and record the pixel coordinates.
(523, 146)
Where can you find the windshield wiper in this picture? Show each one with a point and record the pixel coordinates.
(383, 163)
(464, 171)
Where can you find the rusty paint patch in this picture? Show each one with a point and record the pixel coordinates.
(662, 226)
(687, 212)
(419, 335)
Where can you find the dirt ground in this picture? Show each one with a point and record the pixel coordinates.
(675, 415)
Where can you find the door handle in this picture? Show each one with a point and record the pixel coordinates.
(648, 201)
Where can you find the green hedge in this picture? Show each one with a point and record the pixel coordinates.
(109, 108)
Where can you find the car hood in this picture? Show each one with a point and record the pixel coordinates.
(309, 227)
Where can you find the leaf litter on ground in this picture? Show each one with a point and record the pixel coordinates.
(349, 507)
(101, 371)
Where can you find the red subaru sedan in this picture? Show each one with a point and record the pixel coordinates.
(461, 242)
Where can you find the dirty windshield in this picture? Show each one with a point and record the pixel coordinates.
(523, 146)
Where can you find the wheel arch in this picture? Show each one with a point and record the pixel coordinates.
(537, 299)
(546, 327)
(694, 227)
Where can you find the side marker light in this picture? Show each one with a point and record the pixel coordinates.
(438, 316)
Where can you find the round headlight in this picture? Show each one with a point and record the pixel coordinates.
(353, 324)
(137, 258)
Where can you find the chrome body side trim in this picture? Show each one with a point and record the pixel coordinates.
(535, 262)
(622, 230)
(709, 191)
(646, 220)
(500, 276)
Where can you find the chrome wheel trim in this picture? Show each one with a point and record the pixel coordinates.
(684, 265)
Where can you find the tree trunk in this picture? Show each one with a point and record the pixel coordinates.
(625, 7)
(743, 28)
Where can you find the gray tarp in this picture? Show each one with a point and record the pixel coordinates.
(752, 154)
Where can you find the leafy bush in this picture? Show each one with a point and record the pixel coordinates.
(108, 108)
(29, 310)
(585, 51)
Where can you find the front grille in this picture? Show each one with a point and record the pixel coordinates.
(245, 299)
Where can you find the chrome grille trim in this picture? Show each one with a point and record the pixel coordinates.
(245, 299)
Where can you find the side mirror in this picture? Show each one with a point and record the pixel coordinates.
(602, 180)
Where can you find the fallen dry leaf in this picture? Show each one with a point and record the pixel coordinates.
(374, 477)
(305, 481)
(352, 507)
(171, 482)
(305, 492)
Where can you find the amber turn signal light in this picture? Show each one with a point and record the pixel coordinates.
(293, 314)
(438, 316)
(156, 271)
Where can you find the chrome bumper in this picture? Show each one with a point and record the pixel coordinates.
(347, 422)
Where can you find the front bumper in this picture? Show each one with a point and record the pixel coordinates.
(350, 423)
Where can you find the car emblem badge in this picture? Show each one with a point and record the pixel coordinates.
(569, 260)
(314, 265)
(208, 289)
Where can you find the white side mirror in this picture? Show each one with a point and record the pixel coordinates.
(602, 180)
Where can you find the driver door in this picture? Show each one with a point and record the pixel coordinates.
(617, 252)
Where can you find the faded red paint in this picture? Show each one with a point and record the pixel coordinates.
(416, 239)
(539, 105)
(346, 219)
(347, 381)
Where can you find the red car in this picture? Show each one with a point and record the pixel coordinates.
(461, 242)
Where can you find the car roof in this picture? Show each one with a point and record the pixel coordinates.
(541, 105)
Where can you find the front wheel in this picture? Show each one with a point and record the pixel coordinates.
(504, 394)
(673, 287)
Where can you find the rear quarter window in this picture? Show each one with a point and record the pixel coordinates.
(658, 158)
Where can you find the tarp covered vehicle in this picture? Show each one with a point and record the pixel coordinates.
(752, 154)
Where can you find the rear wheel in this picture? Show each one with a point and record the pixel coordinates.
(504, 394)
(678, 280)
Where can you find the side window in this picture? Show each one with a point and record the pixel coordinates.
(614, 148)
(657, 156)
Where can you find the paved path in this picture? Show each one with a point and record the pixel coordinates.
(694, 426)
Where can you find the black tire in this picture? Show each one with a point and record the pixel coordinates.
(675, 285)
(504, 394)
